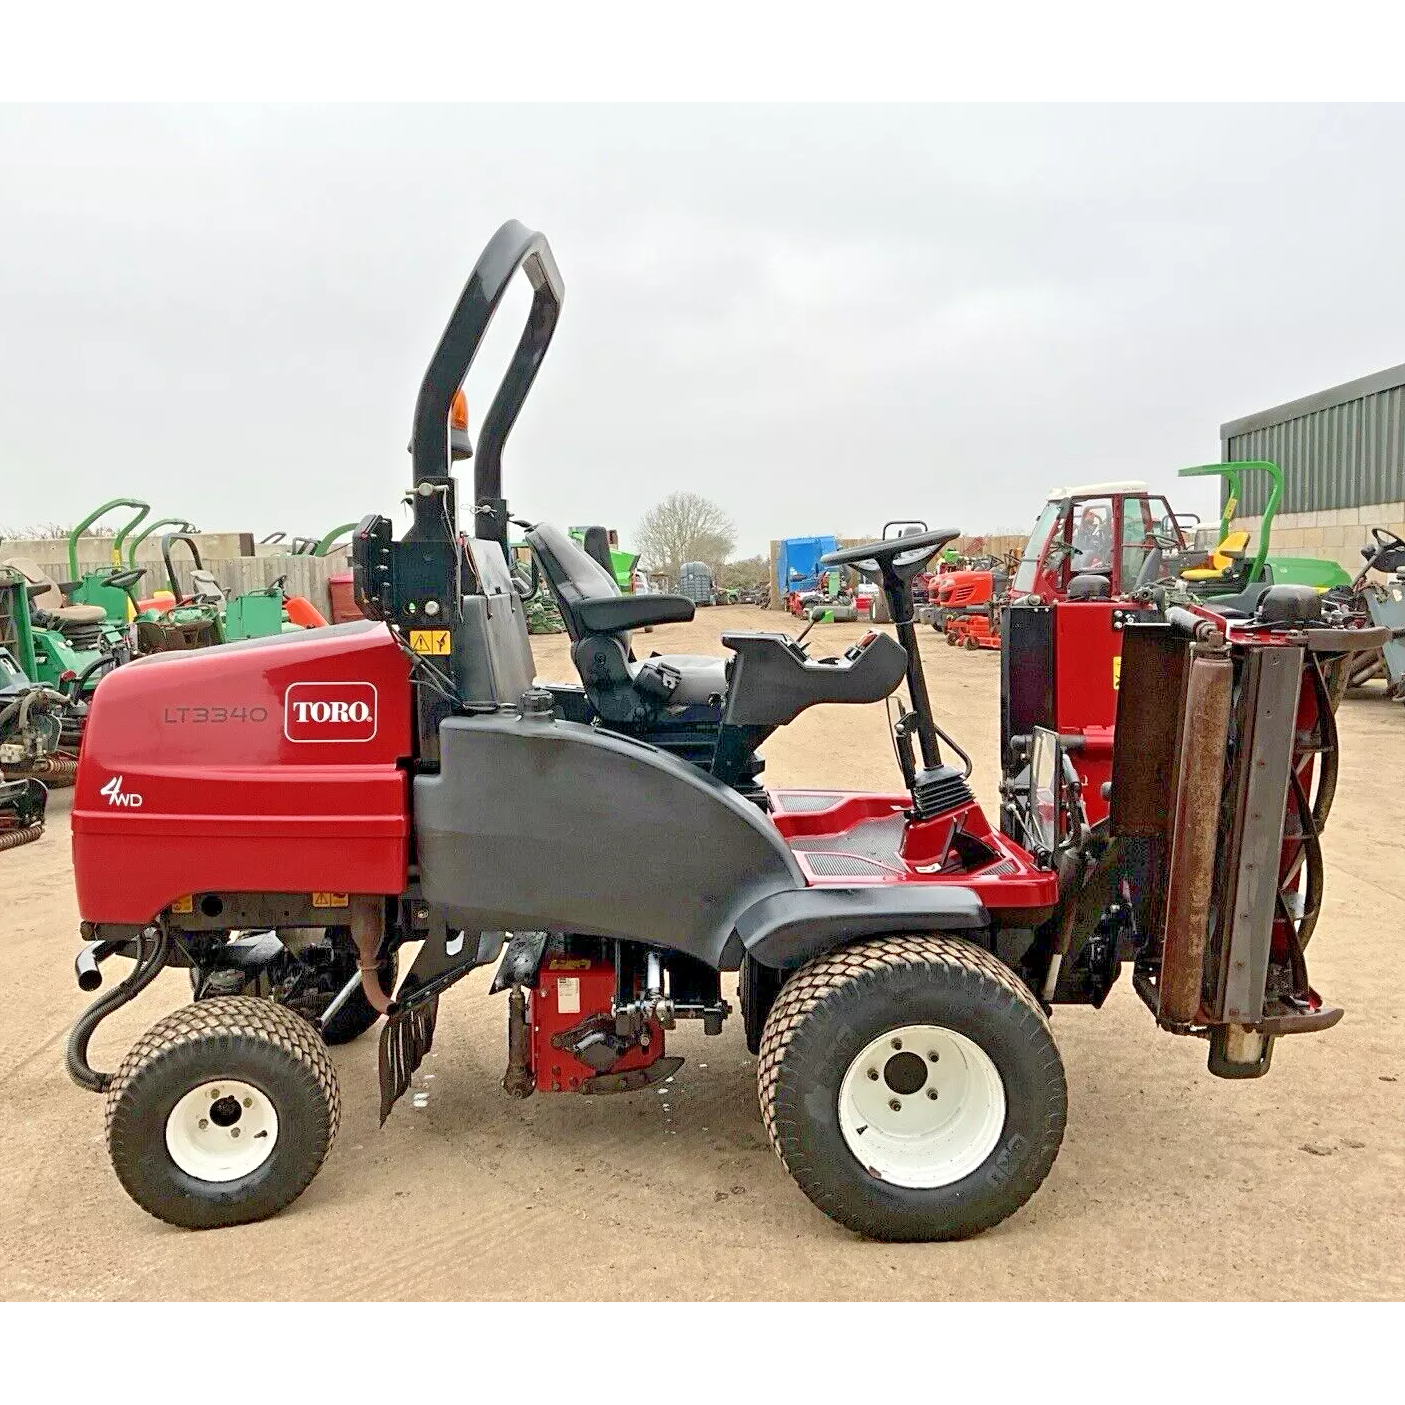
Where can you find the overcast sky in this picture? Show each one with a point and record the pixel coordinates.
(821, 318)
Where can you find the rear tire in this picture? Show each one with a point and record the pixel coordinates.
(190, 1089)
(981, 1100)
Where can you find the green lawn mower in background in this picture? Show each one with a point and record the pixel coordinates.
(328, 544)
(179, 524)
(63, 646)
(108, 587)
(41, 714)
(622, 563)
(1230, 571)
(207, 615)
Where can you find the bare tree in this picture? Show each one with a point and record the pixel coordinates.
(50, 531)
(685, 527)
(743, 575)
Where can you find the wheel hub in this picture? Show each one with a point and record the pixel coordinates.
(922, 1106)
(221, 1131)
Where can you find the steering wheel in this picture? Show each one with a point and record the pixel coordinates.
(124, 580)
(1389, 555)
(904, 557)
(893, 563)
(1090, 546)
(277, 586)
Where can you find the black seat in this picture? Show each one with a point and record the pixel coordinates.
(599, 617)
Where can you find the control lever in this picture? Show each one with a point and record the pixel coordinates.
(800, 638)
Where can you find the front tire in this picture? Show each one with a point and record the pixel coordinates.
(927, 1057)
(222, 1113)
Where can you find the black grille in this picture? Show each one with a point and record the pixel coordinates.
(939, 789)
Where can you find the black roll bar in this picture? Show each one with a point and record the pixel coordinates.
(513, 247)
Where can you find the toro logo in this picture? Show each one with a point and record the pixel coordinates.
(329, 712)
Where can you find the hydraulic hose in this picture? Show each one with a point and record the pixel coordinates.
(16, 838)
(141, 975)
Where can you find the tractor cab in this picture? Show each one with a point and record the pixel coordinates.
(1121, 532)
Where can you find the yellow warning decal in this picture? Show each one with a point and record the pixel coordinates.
(1229, 508)
(568, 963)
(1117, 671)
(429, 641)
(185, 904)
(330, 900)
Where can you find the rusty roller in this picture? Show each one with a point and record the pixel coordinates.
(1194, 832)
(54, 770)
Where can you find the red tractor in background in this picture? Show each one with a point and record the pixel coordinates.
(1105, 529)
(965, 603)
(326, 801)
(1121, 531)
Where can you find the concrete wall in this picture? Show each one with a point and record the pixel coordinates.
(1334, 534)
(307, 575)
(97, 551)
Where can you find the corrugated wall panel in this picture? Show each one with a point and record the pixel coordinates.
(1341, 456)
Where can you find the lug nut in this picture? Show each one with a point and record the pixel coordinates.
(873, 1075)
(932, 1093)
(934, 1056)
(895, 1105)
(203, 1124)
(248, 1102)
(897, 1043)
(234, 1131)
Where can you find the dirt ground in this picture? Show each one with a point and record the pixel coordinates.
(1171, 1184)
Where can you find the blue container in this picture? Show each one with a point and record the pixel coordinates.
(798, 563)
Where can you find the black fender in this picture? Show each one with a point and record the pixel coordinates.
(546, 825)
(785, 930)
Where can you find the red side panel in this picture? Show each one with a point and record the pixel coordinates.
(272, 765)
(1088, 647)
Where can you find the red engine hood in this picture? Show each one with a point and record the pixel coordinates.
(271, 765)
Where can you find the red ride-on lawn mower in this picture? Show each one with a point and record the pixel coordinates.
(324, 799)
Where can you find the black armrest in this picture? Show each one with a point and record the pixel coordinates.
(772, 681)
(623, 612)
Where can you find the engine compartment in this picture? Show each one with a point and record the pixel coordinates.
(269, 765)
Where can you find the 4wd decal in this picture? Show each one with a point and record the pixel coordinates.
(329, 712)
(129, 799)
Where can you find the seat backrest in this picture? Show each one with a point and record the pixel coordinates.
(571, 574)
(206, 589)
(49, 599)
(499, 666)
(1220, 558)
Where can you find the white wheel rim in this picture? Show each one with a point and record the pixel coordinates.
(222, 1130)
(928, 1133)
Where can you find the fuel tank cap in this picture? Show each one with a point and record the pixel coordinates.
(537, 705)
